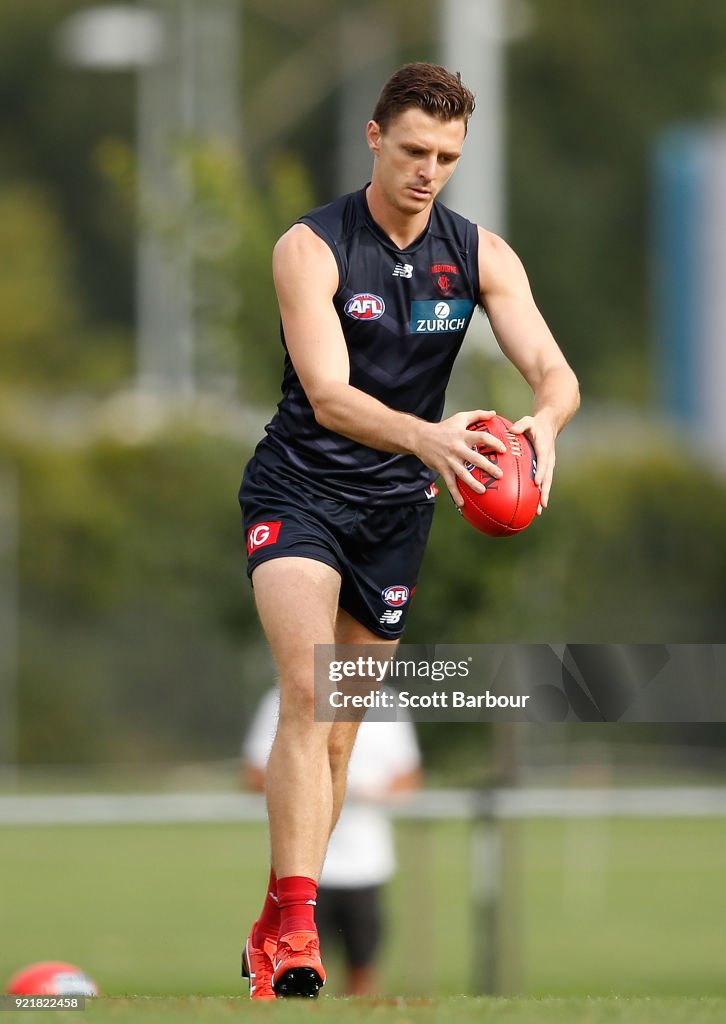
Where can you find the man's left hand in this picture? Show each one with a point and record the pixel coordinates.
(540, 430)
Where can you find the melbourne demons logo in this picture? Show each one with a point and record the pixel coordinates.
(365, 306)
(444, 276)
(395, 596)
(262, 534)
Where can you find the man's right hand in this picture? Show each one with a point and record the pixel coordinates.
(447, 447)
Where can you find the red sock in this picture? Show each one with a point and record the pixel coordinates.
(297, 895)
(268, 923)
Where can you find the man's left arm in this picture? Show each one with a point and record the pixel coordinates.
(526, 340)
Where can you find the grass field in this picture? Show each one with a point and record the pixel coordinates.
(613, 1010)
(602, 908)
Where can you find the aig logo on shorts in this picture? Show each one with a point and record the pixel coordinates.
(262, 534)
(440, 316)
(395, 596)
(365, 306)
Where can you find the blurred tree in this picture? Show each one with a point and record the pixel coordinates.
(131, 603)
(43, 342)
(296, 60)
(614, 559)
(235, 224)
(38, 306)
(591, 89)
(51, 117)
(139, 637)
(230, 225)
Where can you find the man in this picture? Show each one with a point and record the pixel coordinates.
(385, 764)
(375, 292)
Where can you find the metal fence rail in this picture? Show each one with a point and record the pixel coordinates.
(431, 804)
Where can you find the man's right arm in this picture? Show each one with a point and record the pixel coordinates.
(306, 279)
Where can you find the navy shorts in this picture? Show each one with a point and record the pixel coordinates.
(376, 550)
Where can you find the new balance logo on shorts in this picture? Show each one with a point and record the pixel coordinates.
(262, 534)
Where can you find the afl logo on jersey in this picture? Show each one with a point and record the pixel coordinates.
(396, 596)
(365, 306)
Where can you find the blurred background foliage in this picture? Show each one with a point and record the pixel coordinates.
(137, 638)
(590, 89)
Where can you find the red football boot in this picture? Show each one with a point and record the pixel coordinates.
(257, 965)
(298, 970)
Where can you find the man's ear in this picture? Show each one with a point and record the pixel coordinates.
(373, 136)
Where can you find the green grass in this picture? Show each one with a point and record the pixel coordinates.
(626, 908)
(399, 1011)
(633, 907)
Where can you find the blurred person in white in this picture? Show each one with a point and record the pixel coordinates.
(361, 854)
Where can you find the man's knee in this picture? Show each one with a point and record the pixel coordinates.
(297, 691)
(340, 744)
(297, 709)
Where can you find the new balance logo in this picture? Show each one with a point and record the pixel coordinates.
(391, 617)
(403, 270)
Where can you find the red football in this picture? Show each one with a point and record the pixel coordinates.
(510, 502)
(51, 978)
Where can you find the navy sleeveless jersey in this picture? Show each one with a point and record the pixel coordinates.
(404, 313)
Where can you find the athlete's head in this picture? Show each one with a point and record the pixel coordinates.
(431, 88)
(416, 135)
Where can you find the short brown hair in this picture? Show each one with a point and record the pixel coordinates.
(429, 87)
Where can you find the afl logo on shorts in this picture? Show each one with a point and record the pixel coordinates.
(395, 597)
(365, 306)
(262, 534)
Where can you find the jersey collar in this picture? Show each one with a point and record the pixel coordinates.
(381, 235)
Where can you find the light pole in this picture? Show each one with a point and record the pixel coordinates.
(474, 37)
(475, 34)
(185, 56)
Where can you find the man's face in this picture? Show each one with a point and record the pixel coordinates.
(415, 157)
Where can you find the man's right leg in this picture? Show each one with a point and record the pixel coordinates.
(297, 601)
